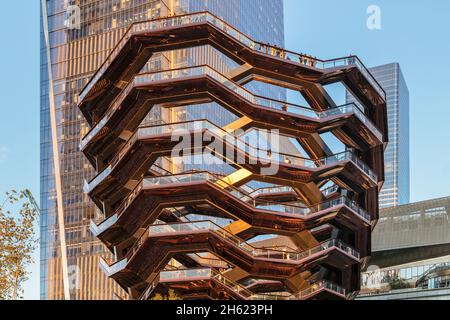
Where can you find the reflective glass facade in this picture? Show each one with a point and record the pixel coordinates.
(75, 55)
(414, 225)
(396, 189)
(411, 243)
(410, 273)
(418, 281)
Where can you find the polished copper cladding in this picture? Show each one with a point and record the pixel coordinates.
(166, 229)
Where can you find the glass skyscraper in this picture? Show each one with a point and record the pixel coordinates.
(75, 52)
(396, 189)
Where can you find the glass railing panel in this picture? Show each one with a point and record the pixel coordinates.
(205, 176)
(349, 156)
(341, 201)
(138, 28)
(328, 191)
(291, 56)
(282, 208)
(270, 206)
(369, 124)
(305, 211)
(148, 78)
(235, 287)
(321, 285)
(182, 178)
(106, 224)
(310, 113)
(364, 167)
(113, 54)
(129, 199)
(147, 293)
(93, 132)
(97, 180)
(262, 154)
(110, 270)
(349, 61)
(173, 128)
(356, 208)
(369, 76)
(286, 107)
(289, 255)
(185, 275)
(284, 254)
(181, 227)
(240, 195)
(270, 190)
(208, 261)
(230, 84)
(124, 150)
(117, 102)
(234, 33)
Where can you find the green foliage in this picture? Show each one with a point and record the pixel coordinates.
(18, 241)
(397, 283)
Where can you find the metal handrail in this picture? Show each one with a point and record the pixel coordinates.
(284, 255)
(239, 194)
(207, 17)
(261, 101)
(205, 124)
(185, 275)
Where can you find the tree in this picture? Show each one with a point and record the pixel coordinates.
(397, 283)
(170, 295)
(18, 215)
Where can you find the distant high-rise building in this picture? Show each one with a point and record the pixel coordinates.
(396, 187)
(76, 38)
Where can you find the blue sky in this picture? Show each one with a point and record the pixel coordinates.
(414, 33)
(19, 105)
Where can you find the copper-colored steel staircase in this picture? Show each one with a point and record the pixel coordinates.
(324, 205)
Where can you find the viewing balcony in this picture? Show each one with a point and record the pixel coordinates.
(205, 280)
(203, 82)
(151, 143)
(160, 242)
(152, 195)
(140, 42)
